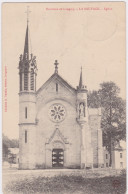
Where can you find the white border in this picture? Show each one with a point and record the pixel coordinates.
(50, 1)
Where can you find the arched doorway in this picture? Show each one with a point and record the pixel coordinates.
(57, 158)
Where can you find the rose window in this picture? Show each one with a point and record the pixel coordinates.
(57, 112)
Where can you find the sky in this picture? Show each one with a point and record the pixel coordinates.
(91, 35)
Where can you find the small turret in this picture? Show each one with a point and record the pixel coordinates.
(81, 100)
(82, 119)
(81, 87)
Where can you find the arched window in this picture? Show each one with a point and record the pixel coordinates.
(56, 87)
(26, 79)
(32, 79)
(25, 136)
(26, 113)
(20, 81)
(121, 155)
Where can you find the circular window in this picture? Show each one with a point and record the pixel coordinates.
(57, 112)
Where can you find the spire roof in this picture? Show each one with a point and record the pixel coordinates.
(27, 38)
(81, 86)
(26, 46)
(27, 60)
(81, 79)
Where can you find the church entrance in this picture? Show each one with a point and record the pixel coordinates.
(57, 158)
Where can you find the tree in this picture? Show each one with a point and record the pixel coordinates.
(5, 152)
(113, 115)
(5, 146)
(94, 99)
(8, 143)
(113, 120)
(11, 159)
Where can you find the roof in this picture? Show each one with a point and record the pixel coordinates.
(61, 80)
(120, 145)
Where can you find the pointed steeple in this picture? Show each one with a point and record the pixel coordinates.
(27, 64)
(81, 86)
(27, 38)
(81, 79)
(26, 45)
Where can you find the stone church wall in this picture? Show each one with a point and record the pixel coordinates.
(96, 138)
(27, 152)
(69, 127)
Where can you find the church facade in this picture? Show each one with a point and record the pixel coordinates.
(56, 127)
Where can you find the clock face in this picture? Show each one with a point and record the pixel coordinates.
(57, 113)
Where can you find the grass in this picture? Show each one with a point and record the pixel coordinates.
(64, 184)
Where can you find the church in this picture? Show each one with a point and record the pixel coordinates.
(56, 127)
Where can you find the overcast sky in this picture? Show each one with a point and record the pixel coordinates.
(93, 39)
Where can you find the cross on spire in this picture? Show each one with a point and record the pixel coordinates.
(27, 12)
(56, 66)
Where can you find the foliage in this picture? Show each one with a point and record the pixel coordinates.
(5, 151)
(8, 143)
(113, 120)
(113, 111)
(11, 143)
(11, 158)
(94, 99)
(123, 172)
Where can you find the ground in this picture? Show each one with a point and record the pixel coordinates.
(64, 181)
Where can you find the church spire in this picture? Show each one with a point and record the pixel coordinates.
(26, 45)
(27, 65)
(81, 86)
(81, 79)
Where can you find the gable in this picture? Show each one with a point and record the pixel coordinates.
(57, 136)
(55, 78)
(49, 92)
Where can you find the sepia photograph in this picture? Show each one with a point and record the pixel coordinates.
(64, 98)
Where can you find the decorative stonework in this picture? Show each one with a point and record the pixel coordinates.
(58, 144)
(57, 113)
(57, 136)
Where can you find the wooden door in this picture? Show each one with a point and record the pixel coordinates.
(57, 158)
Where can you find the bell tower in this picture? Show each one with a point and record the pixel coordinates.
(27, 105)
(82, 119)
